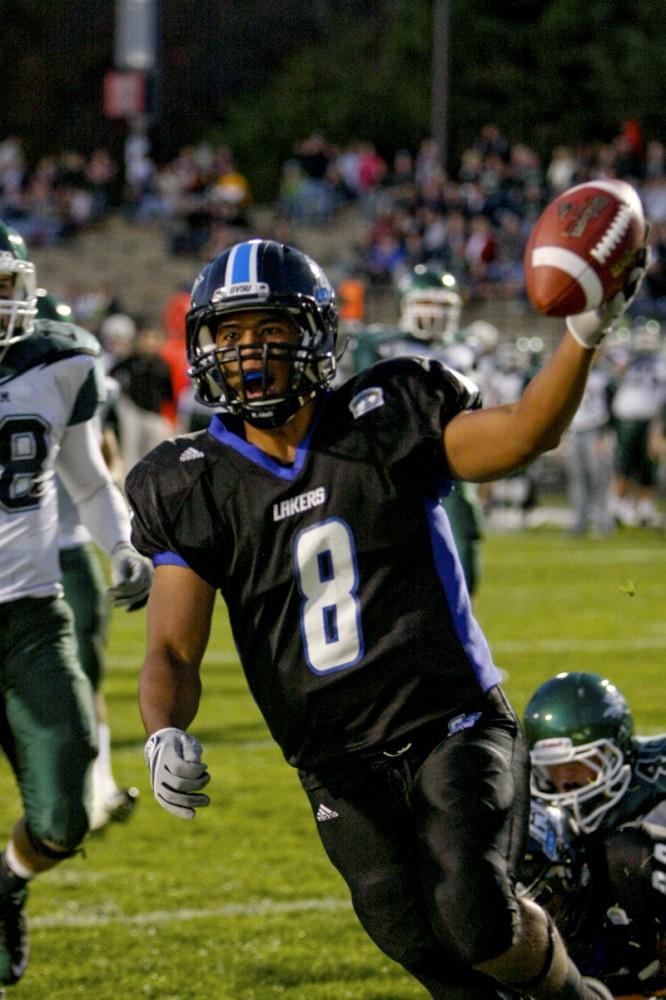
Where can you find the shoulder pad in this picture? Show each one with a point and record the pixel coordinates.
(650, 762)
(466, 390)
(68, 336)
(49, 343)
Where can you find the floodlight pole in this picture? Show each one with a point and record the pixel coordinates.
(440, 76)
(136, 46)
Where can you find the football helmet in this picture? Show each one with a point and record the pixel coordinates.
(430, 305)
(49, 307)
(482, 336)
(580, 717)
(265, 275)
(18, 312)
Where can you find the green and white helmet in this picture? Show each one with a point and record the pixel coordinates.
(580, 717)
(430, 305)
(18, 312)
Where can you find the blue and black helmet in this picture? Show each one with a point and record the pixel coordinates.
(262, 275)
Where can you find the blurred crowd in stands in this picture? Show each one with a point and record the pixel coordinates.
(474, 222)
(474, 225)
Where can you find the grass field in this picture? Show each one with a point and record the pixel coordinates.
(241, 904)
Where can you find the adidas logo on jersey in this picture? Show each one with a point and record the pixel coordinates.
(324, 814)
(191, 453)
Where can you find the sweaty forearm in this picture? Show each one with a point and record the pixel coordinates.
(551, 399)
(169, 692)
(482, 445)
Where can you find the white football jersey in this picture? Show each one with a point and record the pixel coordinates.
(47, 383)
(642, 389)
(71, 533)
(592, 412)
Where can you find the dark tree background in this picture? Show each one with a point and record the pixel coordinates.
(260, 74)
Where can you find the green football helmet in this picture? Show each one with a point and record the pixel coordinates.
(49, 307)
(17, 312)
(430, 305)
(580, 717)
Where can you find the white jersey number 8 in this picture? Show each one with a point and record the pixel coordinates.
(325, 560)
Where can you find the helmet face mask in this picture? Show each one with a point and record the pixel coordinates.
(606, 778)
(267, 382)
(18, 296)
(579, 730)
(431, 306)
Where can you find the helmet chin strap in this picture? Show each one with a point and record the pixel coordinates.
(270, 421)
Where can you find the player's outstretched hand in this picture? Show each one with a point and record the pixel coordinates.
(177, 773)
(589, 328)
(131, 577)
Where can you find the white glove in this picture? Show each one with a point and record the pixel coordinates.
(131, 576)
(589, 328)
(177, 771)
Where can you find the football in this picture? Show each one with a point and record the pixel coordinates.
(583, 246)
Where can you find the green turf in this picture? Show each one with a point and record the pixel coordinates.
(241, 904)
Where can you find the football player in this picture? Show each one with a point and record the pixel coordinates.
(638, 397)
(85, 588)
(316, 513)
(597, 853)
(49, 395)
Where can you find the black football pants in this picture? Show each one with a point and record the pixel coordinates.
(427, 842)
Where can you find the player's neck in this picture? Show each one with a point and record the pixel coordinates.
(282, 442)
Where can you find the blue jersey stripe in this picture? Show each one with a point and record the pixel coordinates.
(169, 559)
(450, 572)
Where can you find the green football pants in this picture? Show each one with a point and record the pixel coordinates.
(47, 717)
(85, 592)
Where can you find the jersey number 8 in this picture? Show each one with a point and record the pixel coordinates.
(23, 451)
(325, 560)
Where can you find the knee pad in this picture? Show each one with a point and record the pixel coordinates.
(480, 919)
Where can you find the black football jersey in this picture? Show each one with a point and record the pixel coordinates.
(344, 590)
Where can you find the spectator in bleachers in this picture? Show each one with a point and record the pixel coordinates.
(100, 171)
(230, 196)
(314, 156)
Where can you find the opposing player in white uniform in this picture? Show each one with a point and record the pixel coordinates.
(85, 585)
(49, 393)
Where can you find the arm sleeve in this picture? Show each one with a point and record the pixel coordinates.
(145, 490)
(100, 503)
